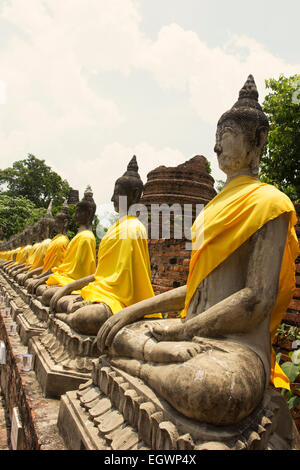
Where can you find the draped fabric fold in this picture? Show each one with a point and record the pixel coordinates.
(123, 275)
(32, 253)
(39, 255)
(55, 252)
(231, 218)
(79, 260)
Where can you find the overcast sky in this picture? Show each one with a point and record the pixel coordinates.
(85, 84)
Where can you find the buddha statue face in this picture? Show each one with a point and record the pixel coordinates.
(236, 150)
(129, 187)
(127, 191)
(82, 216)
(60, 224)
(85, 210)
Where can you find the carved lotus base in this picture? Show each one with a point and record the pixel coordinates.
(117, 411)
(63, 358)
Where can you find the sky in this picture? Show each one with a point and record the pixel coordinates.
(86, 84)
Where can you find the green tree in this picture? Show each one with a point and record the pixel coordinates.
(34, 180)
(16, 213)
(280, 162)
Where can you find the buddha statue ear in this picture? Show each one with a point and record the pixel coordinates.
(261, 136)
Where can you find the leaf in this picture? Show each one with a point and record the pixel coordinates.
(290, 370)
(278, 357)
(293, 402)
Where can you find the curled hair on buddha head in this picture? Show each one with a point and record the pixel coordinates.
(248, 113)
(131, 179)
(88, 203)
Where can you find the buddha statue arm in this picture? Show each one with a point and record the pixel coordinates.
(166, 302)
(244, 310)
(34, 272)
(66, 290)
(46, 273)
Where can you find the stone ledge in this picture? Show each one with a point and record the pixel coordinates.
(21, 389)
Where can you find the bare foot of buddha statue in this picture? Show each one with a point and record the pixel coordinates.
(47, 295)
(66, 302)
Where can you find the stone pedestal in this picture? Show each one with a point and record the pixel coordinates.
(117, 411)
(63, 358)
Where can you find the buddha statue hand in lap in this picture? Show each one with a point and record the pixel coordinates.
(214, 364)
(123, 272)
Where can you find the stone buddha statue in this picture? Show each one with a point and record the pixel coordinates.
(31, 235)
(214, 364)
(46, 225)
(56, 249)
(80, 257)
(123, 275)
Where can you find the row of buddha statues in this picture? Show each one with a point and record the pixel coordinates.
(214, 364)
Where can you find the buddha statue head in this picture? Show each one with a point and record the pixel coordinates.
(129, 187)
(62, 219)
(242, 134)
(29, 234)
(85, 210)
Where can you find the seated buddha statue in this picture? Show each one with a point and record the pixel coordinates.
(123, 275)
(34, 235)
(80, 256)
(214, 364)
(46, 225)
(25, 242)
(56, 249)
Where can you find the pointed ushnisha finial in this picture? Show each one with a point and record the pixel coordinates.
(49, 210)
(88, 192)
(132, 165)
(249, 90)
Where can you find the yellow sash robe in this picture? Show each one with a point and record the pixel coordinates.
(123, 275)
(231, 218)
(56, 251)
(79, 260)
(39, 254)
(31, 254)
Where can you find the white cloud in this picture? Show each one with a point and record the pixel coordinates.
(51, 110)
(113, 161)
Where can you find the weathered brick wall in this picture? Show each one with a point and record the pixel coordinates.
(13, 388)
(169, 264)
(187, 184)
(292, 315)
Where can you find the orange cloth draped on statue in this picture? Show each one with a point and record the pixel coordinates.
(79, 260)
(56, 251)
(233, 216)
(39, 254)
(123, 275)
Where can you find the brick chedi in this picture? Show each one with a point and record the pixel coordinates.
(188, 185)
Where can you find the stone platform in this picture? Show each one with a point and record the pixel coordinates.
(21, 389)
(63, 358)
(117, 411)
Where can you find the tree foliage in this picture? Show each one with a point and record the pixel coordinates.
(280, 162)
(32, 179)
(16, 213)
